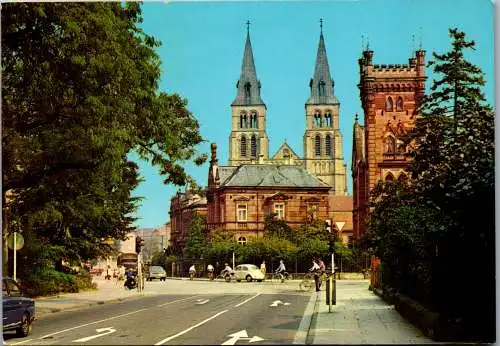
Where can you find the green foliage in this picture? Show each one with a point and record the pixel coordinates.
(196, 245)
(49, 282)
(277, 227)
(79, 93)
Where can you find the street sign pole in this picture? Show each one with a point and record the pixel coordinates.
(332, 275)
(15, 256)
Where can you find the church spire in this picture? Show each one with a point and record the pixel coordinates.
(321, 84)
(248, 85)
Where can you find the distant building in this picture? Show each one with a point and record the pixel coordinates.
(390, 96)
(183, 207)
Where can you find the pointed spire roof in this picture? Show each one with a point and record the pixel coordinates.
(321, 84)
(248, 85)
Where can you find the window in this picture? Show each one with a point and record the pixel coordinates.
(402, 177)
(242, 240)
(389, 178)
(389, 105)
(317, 147)
(328, 145)
(243, 120)
(399, 104)
(243, 149)
(312, 211)
(247, 91)
(253, 121)
(279, 210)
(321, 88)
(241, 209)
(328, 120)
(390, 145)
(253, 146)
(317, 120)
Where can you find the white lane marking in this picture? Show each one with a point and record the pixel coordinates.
(243, 302)
(190, 328)
(21, 342)
(241, 335)
(175, 301)
(100, 333)
(278, 302)
(201, 301)
(88, 324)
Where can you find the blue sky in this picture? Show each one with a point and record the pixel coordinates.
(202, 50)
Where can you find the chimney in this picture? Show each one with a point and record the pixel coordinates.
(420, 62)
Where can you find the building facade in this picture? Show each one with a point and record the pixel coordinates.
(184, 206)
(390, 96)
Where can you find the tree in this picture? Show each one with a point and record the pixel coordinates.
(79, 93)
(195, 248)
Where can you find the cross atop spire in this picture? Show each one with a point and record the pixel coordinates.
(248, 27)
(321, 24)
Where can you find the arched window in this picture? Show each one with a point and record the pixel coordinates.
(317, 146)
(317, 120)
(253, 120)
(402, 177)
(242, 240)
(328, 145)
(390, 145)
(243, 148)
(389, 105)
(243, 120)
(247, 91)
(321, 87)
(389, 178)
(328, 119)
(399, 104)
(253, 146)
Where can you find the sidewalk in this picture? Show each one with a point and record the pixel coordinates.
(107, 292)
(360, 317)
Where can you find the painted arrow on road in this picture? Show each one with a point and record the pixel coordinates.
(100, 331)
(241, 335)
(278, 302)
(202, 301)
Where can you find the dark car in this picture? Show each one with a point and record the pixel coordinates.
(18, 311)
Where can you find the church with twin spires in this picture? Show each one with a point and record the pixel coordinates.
(249, 142)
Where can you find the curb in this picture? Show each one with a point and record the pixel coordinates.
(304, 329)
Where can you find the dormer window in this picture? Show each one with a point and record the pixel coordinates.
(247, 91)
(321, 88)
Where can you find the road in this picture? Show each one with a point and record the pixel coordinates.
(183, 313)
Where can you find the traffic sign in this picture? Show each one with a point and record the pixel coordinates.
(19, 241)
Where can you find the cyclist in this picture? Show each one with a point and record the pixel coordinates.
(210, 270)
(192, 271)
(316, 270)
(227, 270)
(281, 271)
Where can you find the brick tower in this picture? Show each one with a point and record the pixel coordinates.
(390, 95)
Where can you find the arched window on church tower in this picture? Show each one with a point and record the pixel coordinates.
(328, 119)
(317, 119)
(317, 145)
(253, 146)
(243, 120)
(328, 145)
(253, 121)
(243, 146)
(321, 88)
(399, 104)
(389, 104)
(389, 177)
(390, 145)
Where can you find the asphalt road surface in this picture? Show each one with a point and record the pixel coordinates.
(222, 315)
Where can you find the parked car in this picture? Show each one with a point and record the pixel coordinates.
(248, 272)
(156, 272)
(18, 311)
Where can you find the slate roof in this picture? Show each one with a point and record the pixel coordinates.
(248, 76)
(267, 175)
(322, 73)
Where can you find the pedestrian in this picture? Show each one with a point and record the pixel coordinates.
(316, 270)
(322, 271)
(108, 273)
(210, 270)
(263, 268)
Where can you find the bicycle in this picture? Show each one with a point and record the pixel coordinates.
(225, 276)
(308, 281)
(280, 276)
